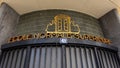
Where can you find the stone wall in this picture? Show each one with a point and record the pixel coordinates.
(110, 24)
(8, 20)
(37, 21)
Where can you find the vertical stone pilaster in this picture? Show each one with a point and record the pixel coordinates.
(110, 24)
(8, 20)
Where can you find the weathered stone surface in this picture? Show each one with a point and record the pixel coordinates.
(110, 24)
(8, 20)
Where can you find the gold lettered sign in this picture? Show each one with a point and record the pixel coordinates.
(61, 27)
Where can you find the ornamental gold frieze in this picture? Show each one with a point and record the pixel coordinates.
(62, 24)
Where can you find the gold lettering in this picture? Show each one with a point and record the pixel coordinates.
(29, 36)
(48, 35)
(36, 35)
(60, 35)
(10, 40)
(42, 35)
(68, 35)
(23, 37)
(81, 37)
(86, 37)
(90, 37)
(54, 34)
(14, 39)
(76, 36)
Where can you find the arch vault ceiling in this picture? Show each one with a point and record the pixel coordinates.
(95, 8)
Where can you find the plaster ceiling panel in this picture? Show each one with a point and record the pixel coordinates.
(22, 6)
(117, 2)
(96, 8)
